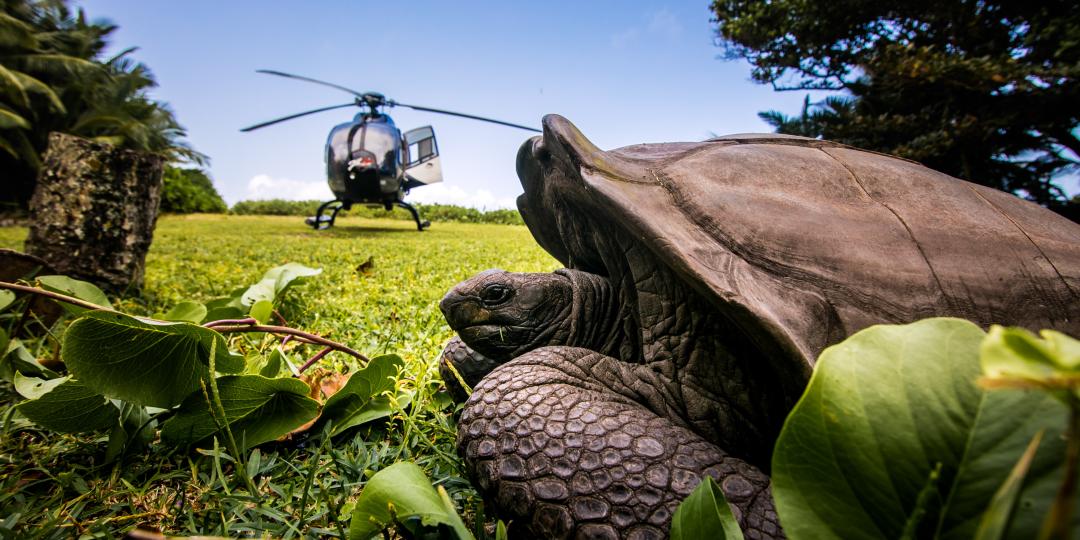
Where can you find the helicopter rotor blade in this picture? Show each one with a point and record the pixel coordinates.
(463, 115)
(297, 115)
(309, 79)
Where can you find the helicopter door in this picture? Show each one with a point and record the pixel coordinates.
(423, 167)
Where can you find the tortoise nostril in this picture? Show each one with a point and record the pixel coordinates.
(460, 311)
(446, 305)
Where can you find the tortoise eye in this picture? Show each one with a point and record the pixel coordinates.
(494, 295)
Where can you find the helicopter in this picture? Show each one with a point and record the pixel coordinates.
(369, 160)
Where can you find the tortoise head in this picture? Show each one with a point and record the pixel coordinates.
(501, 314)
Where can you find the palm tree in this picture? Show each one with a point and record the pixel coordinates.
(52, 78)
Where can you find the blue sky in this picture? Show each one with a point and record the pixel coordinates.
(624, 72)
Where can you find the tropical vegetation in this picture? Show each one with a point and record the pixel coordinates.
(433, 212)
(54, 76)
(189, 191)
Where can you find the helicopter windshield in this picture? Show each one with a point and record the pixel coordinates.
(382, 140)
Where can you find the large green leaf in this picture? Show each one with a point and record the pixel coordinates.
(360, 399)
(186, 311)
(705, 514)
(143, 361)
(399, 492)
(261, 311)
(995, 521)
(9, 119)
(65, 405)
(82, 290)
(6, 299)
(257, 409)
(893, 435)
(225, 307)
(18, 359)
(275, 281)
(1016, 357)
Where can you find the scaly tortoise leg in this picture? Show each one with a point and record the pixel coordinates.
(556, 441)
(458, 360)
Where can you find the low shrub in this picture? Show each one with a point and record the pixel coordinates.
(432, 212)
(189, 191)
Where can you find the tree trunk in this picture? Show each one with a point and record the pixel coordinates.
(93, 212)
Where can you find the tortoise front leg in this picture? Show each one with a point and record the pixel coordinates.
(554, 440)
(458, 360)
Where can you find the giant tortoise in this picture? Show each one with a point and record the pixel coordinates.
(702, 281)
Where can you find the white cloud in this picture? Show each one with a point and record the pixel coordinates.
(624, 38)
(264, 186)
(444, 194)
(664, 23)
(661, 23)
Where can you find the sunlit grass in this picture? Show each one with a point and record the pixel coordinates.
(55, 486)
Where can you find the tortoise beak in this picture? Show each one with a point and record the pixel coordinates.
(458, 310)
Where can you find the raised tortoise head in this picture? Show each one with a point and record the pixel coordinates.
(501, 314)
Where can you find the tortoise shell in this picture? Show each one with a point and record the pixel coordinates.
(802, 242)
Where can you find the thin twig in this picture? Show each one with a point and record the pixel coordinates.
(300, 334)
(55, 296)
(318, 356)
(223, 322)
(222, 326)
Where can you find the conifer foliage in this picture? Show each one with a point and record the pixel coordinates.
(985, 90)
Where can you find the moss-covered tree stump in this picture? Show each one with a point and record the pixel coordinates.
(94, 209)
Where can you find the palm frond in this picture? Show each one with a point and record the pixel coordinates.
(10, 119)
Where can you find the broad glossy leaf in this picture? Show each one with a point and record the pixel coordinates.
(68, 406)
(257, 409)
(705, 514)
(261, 311)
(79, 289)
(361, 400)
(267, 365)
(406, 491)
(143, 361)
(995, 521)
(275, 281)
(19, 360)
(1018, 353)
(186, 311)
(226, 307)
(1064, 349)
(6, 298)
(34, 387)
(883, 410)
(133, 418)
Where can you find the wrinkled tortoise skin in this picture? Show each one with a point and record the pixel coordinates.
(702, 280)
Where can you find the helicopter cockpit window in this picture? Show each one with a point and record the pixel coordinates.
(377, 140)
(421, 145)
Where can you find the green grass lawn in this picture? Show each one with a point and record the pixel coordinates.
(56, 486)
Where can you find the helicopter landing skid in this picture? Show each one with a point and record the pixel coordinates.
(420, 225)
(320, 221)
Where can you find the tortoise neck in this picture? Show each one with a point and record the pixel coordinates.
(594, 321)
